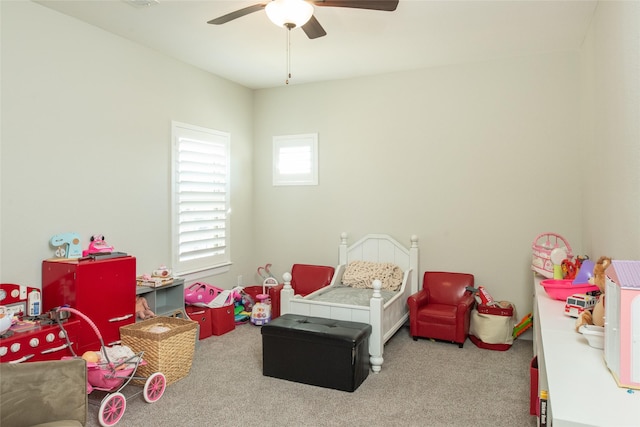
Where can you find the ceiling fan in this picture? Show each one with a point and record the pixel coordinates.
(299, 13)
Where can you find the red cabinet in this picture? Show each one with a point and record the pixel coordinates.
(103, 290)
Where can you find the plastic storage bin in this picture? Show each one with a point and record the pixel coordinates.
(222, 320)
(202, 315)
(533, 380)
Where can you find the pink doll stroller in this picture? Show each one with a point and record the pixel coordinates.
(112, 376)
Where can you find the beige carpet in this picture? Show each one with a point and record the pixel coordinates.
(422, 383)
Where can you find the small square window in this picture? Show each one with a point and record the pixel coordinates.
(295, 159)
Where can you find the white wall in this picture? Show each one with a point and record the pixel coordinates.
(475, 159)
(611, 91)
(86, 126)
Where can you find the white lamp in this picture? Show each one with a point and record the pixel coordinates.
(289, 13)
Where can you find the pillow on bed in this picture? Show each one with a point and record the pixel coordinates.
(361, 274)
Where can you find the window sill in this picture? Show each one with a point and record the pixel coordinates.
(191, 276)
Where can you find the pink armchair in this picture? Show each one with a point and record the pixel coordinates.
(442, 309)
(305, 278)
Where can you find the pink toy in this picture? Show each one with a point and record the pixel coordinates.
(201, 294)
(97, 245)
(621, 329)
(112, 376)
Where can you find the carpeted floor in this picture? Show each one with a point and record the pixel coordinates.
(422, 383)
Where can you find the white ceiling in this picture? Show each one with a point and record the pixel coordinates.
(419, 33)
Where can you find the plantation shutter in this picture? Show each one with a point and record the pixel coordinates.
(201, 163)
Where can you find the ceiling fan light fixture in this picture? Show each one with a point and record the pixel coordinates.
(289, 13)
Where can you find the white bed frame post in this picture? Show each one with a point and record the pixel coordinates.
(376, 343)
(414, 257)
(342, 248)
(286, 294)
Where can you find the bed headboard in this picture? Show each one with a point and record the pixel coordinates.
(382, 248)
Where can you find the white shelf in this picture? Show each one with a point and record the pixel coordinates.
(582, 391)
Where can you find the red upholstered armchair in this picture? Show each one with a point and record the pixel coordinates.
(305, 278)
(442, 309)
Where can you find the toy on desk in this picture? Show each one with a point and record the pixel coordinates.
(159, 277)
(597, 316)
(162, 271)
(557, 256)
(97, 245)
(67, 245)
(570, 269)
(577, 303)
(585, 273)
(542, 247)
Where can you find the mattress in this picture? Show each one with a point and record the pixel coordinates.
(352, 296)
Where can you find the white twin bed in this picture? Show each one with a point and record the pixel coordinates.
(385, 310)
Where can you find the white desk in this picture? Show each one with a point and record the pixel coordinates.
(582, 391)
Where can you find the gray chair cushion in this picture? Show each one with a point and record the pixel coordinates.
(52, 393)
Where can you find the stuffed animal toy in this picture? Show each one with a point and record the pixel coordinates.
(142, 308)
(596, 317)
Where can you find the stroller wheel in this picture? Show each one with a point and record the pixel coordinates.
(111, 409)
(154, 387)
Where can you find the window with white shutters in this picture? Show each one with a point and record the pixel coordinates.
(200, 220)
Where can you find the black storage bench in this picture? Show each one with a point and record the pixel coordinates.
(312, 350)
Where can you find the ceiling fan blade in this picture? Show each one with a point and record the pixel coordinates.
(237, 14)
(387, 5)
(313, 29)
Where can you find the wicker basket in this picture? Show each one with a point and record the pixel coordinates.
(542, 247)
(169, 352)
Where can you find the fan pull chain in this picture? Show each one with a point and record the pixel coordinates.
(288, 55)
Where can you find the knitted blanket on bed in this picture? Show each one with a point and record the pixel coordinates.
(361, 274)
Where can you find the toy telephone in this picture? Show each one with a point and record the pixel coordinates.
(67, 244)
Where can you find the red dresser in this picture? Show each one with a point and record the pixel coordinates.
(103, 290)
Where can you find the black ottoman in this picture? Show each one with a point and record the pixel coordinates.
(312, 350)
